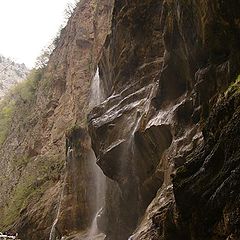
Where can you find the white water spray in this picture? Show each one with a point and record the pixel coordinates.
(100, 179)
(96, 93)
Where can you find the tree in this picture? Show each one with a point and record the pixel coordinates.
(42, 60)
(70, 9)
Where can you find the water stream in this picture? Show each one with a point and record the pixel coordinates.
(141, 113)
(96, 93)
(100, 179)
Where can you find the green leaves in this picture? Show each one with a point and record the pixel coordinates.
(234, 88)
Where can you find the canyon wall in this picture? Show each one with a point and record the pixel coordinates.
(164, 80)
(165, 132)
(33, 155)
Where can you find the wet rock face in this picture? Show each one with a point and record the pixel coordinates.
(79, 184)
(131, 59)
(161, 79)
(134, 49)
(201, 46)
(33, 156)
(206, 188)
(206, 68)
(164, 67)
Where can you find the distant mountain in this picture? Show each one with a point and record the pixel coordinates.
(10, 74)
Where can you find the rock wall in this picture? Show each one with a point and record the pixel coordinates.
(33, 155)
(165, 134)
(162, 78)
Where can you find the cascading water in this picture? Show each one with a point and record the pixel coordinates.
(100, 179)
(141, 113)
(146, 109)
(96, 93)
(54, 235)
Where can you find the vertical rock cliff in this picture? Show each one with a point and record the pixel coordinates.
(164, 79)
(148, 91)
(33, 172)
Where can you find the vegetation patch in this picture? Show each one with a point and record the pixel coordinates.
(22, 191)
(18, 100)
(38, 174)
(233, 89)
(6, 113)
(21, 162)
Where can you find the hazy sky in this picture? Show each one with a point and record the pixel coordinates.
(26, 26)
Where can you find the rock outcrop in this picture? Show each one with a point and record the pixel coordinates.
(166, 74)
(10, 74)
(164, 128)
(33, 155)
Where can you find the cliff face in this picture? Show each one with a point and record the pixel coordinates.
(34, 154)
(164, 128)
(164, 79)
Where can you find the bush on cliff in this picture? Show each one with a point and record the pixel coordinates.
(234, 88)
(21, 95)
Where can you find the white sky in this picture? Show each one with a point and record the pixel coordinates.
(27, 26)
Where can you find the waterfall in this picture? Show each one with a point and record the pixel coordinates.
(98, 176)
(54, 234)
(100, 179)
(96, 93)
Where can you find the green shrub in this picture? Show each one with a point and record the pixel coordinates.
(25, 90)
(6, 113)
(234, 88)
(18, 100)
